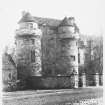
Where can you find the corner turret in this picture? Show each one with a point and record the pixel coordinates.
(68, 35)
(27, 25)
(68, 28)
(28, 47)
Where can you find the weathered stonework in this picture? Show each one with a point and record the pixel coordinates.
(58, 51)
(49, 50)
(68, 48)
(28, 48)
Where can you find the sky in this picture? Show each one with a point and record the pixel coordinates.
(89, 14)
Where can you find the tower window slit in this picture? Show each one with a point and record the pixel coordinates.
(78, 58)
(33, 56)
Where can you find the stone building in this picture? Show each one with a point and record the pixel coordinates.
(47, 47)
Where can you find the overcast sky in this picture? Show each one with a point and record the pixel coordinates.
(89, 14)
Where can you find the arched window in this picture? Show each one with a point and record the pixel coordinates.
(32, 56)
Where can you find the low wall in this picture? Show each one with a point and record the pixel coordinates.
(51, 82)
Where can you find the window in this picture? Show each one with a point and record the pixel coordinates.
(78, 57)
(76, 43)
(33, 56)
(10, 76)
(15, 43)
(33, 41)
(31, 25)
(92, 57)
(72, 58)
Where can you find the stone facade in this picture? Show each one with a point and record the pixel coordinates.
(67, 38)
(59, 47)
(49, 48)
(54, 44)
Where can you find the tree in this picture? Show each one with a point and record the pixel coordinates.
(95, 54)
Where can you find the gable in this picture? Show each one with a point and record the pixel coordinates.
(7, 62)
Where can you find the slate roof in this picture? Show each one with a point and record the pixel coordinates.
(47, 21)
(55, 22)
(41, 21)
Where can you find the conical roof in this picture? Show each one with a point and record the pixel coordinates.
(66, 21)
(26, 18)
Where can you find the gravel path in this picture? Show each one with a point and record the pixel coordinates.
(55, 97)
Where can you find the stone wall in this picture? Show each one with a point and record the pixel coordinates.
(48, 52)
(57, 52)
(50, 82)
(67, 56)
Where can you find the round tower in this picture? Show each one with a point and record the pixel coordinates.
(28, 47)
(68, 34)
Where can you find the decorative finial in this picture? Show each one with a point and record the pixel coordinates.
(23, 13)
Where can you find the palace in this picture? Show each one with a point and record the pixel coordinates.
(45, 48)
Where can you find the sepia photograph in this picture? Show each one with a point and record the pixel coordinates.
(52, 52)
